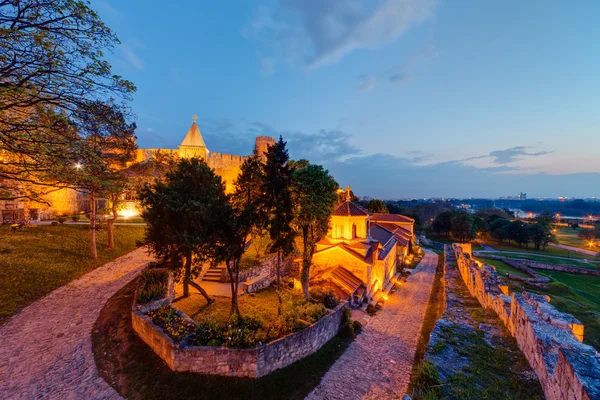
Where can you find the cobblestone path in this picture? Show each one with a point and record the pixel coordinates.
(46, 349)
(378, 363)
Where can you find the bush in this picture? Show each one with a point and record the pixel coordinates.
(328, 298)
(372, 310)
(347, 325)
(54, 223)
(75, 218)
(426, 381)
(61, 219)
(241, 331)
(208, 333)
(312, 312)
(170, 320)
(151, 286)
(559, 288)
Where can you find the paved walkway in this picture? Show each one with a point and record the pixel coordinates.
(46, 349)
(378, 363)
(576, 249)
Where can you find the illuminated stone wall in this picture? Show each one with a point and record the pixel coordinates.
(549, 339)
(254, 362)
(62, 202)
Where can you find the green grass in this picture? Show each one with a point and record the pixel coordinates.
(552, 260)
(136, 372)
(262, 305)
(550, 251)
(502, 268)
(569, 236)
(42, 258)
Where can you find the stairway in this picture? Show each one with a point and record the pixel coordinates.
(214, 274)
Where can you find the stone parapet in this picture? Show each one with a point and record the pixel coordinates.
(254, 362)
(549, 339)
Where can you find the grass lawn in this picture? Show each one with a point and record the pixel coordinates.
(552, 260)
(569, 236)
(42, 258)
(261, 305)
(550, 251)
(502, 268)
(136, 372)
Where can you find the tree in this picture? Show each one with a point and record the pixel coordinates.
(277, 201)
(242, 219)
(518, 232)
(314, 197)
(540, 235)
(185, 215)
(109, 145)
(442, 222)
(462, 226)
(51, 67)
(377, 206)
(499, 229)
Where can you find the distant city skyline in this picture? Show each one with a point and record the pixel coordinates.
(417, 98)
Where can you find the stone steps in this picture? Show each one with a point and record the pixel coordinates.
(213, 274)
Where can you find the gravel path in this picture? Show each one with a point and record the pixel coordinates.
(46, 349)
(377, 365)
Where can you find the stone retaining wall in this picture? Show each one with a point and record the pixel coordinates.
(549, 339)
(251, 363)
(516, 263)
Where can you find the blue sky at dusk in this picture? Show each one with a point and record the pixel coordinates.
(397, 98)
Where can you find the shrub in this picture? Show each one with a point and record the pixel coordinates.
(61, 219)
(75, 218)
(347, 326)
(170, 320)
(559, 288)
(208, 333)
(312, 312)
(426, 381)
(54, 223)
(241, 331)
(152, 285)
(328, 298)
(372, 310)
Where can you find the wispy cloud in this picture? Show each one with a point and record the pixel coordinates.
(367, 82)
(106, 9)
(514, 154)
(401, 73)
(315, 33)
(128, 54)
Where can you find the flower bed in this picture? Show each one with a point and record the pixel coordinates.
(243, 346)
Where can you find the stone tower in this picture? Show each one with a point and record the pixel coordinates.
(262, 145)
(193, 143)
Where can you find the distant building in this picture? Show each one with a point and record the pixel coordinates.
(522, 196)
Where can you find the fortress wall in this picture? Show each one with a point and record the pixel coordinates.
(262, 144)
(227, 166)
(550, 340)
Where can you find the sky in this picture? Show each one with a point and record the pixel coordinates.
(397, 98)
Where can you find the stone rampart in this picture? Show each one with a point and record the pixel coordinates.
(254, 362)
(535, 278)
(549, 339)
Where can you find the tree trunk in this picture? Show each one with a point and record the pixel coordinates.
(199, 288)
(110, 225)
(187, 274)
(93, 249)
(306, 261)
(279, 282)
(233, 278)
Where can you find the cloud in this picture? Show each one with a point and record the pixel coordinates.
(368, 82)
(384, 175)
(129, 56)
(267, 66)
(514, 154)
(315, 33)
(107, 9)
(399, 74)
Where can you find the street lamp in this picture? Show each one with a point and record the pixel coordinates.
(78, 166)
